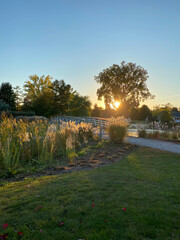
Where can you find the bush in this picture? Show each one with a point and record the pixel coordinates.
(4, 106)
(117, 128)
(142, 133)
(16, 114)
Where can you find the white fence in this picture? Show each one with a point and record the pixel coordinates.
(96, 122)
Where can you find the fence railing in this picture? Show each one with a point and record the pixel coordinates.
(95, 121)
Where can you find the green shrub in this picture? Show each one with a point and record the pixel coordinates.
(117, 128)
(142, 133)
(16, 113)
(117, 133)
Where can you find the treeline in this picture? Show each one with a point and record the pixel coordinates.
(141, 113)
(159, 113)
(43, 97)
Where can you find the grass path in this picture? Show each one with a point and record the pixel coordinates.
(90, 203)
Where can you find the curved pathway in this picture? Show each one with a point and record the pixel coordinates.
(162, 145)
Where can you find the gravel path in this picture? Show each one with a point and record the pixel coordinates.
(166, 146)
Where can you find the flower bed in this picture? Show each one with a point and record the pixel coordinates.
(36, 143)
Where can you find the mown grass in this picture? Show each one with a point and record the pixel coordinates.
(146, 183)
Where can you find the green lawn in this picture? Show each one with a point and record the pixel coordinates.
(146, 183)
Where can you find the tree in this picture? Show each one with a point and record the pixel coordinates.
(174, 109)
(134, 113)
(166, 117)
(96, 111)
(124, 109)
(7, 95)
(43, 105)
(61, 96)
(18, 97)
(155, 113)
(38, 95)
(144, 113)
(35, 86)
(125, 83)
(79, 105)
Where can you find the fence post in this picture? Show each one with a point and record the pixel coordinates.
(100, 132)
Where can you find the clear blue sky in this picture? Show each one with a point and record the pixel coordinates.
(76, 39)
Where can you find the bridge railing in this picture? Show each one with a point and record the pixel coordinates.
(96, 122)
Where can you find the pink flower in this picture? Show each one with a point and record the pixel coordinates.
(124, 209)
(61, 223)
(93, 205)
(39, 207)
(5, 225)
(40, 230)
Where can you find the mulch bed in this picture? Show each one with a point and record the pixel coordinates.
(94, 158)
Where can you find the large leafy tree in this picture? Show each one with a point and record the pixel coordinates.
(61, 96)
(125, 83)
(79, 105)
(38, 95)
(7, 95)
(36, 86)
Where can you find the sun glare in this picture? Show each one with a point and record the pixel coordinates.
(115, 105)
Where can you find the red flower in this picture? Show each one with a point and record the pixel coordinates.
(4, 236)
(5, 225)
(39, 207)
(124, 209)
(20, 233)
(61, 224)
(93, 205)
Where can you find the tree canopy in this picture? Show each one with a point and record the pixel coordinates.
(7, 95)
(61, 96)
(125, 83)
(79, 105)
(36, 86)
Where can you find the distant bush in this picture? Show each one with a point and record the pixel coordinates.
(4, 106)
(142, 133)
(160, 135)
(16, 114)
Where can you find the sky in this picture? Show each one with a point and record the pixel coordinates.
(75, 40)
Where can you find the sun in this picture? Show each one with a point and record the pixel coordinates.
(115, 105)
